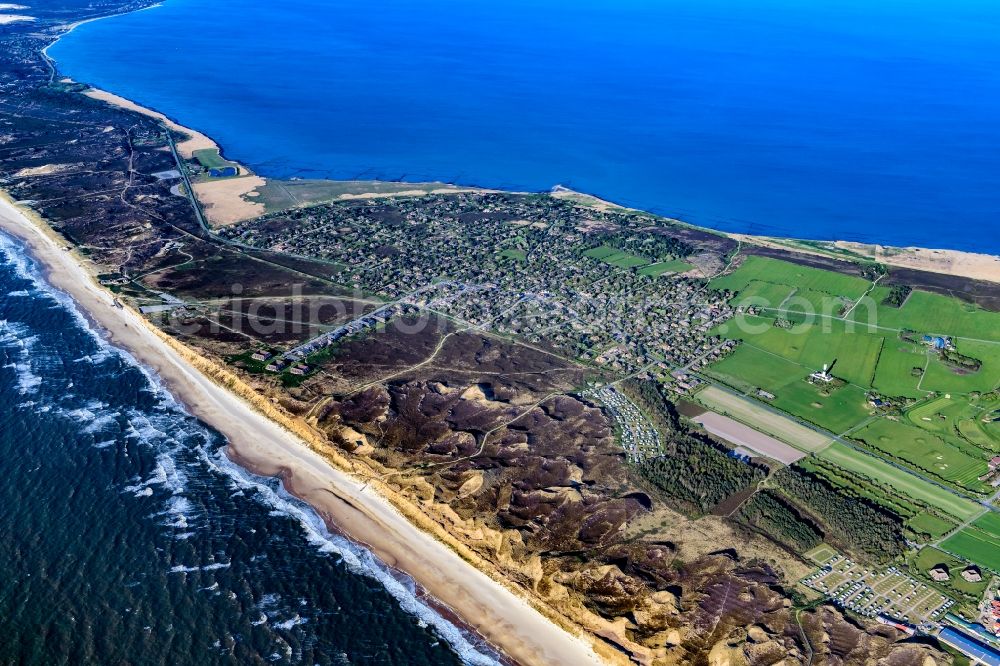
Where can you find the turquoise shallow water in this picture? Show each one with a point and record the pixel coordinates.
(858, 120)
(126, 536)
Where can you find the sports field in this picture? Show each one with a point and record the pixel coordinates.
(883, 472)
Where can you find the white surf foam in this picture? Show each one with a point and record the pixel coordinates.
(357, 559)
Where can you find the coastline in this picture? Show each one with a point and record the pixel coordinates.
(232, 200)
(258, 442)
(345, 503)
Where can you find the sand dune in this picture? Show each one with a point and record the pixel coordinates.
(503, 618)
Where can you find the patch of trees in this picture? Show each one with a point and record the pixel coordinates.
(857, 522)
(773, 515)
(694, 469)
(952, 357)
(654, 247)
(873, 271)
(897, 295)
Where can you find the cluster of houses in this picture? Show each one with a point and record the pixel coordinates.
(938, 342)
(292, 361)
(993, 614)
(551, 293)
(992, 477)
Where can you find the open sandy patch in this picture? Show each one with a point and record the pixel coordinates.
(195, 141)
(45, 170)
(949, 262)
(225, 201)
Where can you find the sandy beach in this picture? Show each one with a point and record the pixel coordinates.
(351, 506)
(195, 141)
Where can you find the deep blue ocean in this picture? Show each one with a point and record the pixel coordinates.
(849, 119)
(127, 536)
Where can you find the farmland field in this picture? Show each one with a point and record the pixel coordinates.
(752, 367)
(926, 451)
(944, 378)
(882, 472)
(777, 425)
(933, 313)
(782, 272)
(930, 525)
(976, 545)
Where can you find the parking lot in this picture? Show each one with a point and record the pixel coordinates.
(869, 592)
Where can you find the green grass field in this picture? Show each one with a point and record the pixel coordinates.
(764, 294)
(657, 269)
(821, 554)
(975, 545)
(751, 366)
(211, 159)
(515, 254)
(925, 451)
(882, 472)
(615, 257)
(782, 272)
(944, 378)
(929, 557)
(933, 313)
(878, 492)
(894, 374)
(806, 304)
(989, 523)
(852, 355)
(930, 525)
